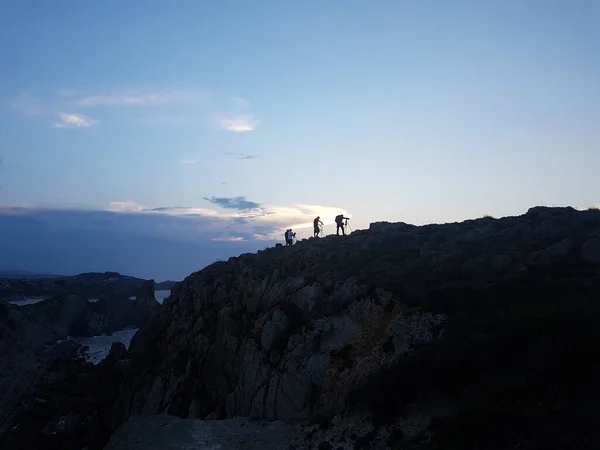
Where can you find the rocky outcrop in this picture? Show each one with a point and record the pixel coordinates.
(145, 302)
(59, 317)
(33, 363)
(66, 405)
(162, 432)
(415, 333)
(85, 285)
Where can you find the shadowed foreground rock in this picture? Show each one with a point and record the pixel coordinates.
(66, 406)
(49, 397)
(172, 433)
(481, 334)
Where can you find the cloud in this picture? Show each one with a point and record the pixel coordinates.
(249, 220)
(239, 124)
(125, 207)
(239, 203)
(190, 161)
(74, 121)
(135, 97)
(183, 211)
(136, 239)
(240, 155)
(154, 105)
(28, 104)
(229, 239)
(135, 244)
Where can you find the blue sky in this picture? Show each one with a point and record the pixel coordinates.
(391, 110)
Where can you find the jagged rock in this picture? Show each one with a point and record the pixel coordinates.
(67, 349)
(385, 297)
(117, 351)
(554, 253)
(275, 330)
(145, 302)
(35, 366)
(500, 262)
(168, 432)
(414, 328)
(591, 250)
(123, 366)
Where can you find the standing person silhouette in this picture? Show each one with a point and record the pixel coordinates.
(316, 223)
(339, 221)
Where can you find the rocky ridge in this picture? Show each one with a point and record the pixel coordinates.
(86, 285)
(440, 336)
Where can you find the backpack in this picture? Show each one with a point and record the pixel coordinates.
(338, 219)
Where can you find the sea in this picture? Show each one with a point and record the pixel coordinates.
(98, 347)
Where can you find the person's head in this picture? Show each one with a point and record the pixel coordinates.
(318, 217)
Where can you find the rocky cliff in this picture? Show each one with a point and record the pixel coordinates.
(42, 384)
(480, 334)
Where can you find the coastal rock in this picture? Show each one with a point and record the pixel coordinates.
(394, 337)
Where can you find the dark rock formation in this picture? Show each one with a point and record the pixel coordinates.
(481, 334)
(86, 285)
(59, 317)
(145, 302)
(67, 405)
(34, 364)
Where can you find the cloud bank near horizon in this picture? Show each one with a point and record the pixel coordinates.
(237, 217)
(165, 242)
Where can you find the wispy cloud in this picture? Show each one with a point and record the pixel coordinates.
(191, 161)
(239, 124)
(239, 203)
(135, 97)
(70, 120)
(228, 239)
(126, 206)
(183, 211)
(154, 105)
(191, 223)
(238, 155)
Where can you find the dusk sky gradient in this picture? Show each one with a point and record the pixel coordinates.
(259, 115)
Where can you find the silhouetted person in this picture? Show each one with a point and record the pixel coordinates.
(291, 236)
(316, 223)
(339, 221)
(287, 237)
